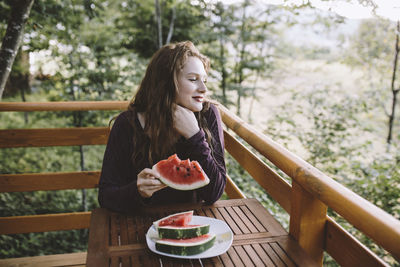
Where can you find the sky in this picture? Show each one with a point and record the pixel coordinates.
(389, 9)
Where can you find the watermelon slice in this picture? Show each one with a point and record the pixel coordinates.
(181, 174)
(176, 219)
(179, 232)
(186, 247)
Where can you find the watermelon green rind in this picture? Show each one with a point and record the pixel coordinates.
(189, 214)
(185, 249)
(176, 232)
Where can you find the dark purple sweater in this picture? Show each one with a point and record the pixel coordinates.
(118, 189)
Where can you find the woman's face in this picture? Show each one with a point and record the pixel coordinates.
(191, 85)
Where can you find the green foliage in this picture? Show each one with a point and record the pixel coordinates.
(335, 138)
(137, 26)
(99, 50)
(24, 245)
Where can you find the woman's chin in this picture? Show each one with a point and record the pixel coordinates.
(196, 108)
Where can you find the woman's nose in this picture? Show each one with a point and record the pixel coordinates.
(202, 87)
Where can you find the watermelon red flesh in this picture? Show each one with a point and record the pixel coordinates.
(181, 174)
(188, 241)
(176, 219)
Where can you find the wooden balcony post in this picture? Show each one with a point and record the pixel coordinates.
(307, 221)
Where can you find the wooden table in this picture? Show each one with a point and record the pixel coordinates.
(259, 240)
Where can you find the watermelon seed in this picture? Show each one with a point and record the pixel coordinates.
(188, 169)
(177, 168)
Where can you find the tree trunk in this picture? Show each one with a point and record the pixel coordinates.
(171, 26)
(253, 97)
(223, 71)
(158, 21)
(12, 39)
(240, 76)
(394, 91)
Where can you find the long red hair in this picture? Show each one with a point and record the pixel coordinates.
(156, 96)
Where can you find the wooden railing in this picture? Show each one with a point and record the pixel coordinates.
(13, 138)
(306, 200)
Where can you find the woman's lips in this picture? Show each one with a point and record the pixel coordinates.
(198, 98)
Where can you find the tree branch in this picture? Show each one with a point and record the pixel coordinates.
(394, 91)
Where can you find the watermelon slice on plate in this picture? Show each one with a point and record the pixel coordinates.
(197, 248)
(176, 226)
(176, 219)
(179, 232)
(186, 247)
(181, 174)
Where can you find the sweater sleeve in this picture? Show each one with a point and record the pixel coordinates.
(117, 188)
(211, 160)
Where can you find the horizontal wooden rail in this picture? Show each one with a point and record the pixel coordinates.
(275, 185)
(44, 223)
(64, 106)
(77, 259)
(383, 228)
(347, 250)
(48, 181)
(54, 137)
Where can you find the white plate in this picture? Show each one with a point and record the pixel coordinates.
(224, 238)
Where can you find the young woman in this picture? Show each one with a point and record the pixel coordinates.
(169, 114)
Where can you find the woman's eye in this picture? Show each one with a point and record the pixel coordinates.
(192, 79)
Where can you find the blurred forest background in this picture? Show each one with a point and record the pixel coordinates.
(323, 85)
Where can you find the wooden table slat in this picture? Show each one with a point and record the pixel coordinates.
(132, 234)
(243, 256)
(245, 220)
(226, 260)
(234, 256)
(265, 218)
(114, 261)
(114, 232)
(253, 255)
(195, 263)
(235, 229)
(126, 261)
(282, 254)
(140, 229)
(238, 220)
(263, 255)
(253, 219)
(273, 256)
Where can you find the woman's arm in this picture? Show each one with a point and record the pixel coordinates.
(212, 161)
(117, 187)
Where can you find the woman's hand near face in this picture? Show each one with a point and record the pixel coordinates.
(147, 183)
(185, 122)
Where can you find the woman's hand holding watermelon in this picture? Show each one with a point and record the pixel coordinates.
(185, 122)
(147, 183)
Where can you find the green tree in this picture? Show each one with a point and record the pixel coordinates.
(141, 31)
(373, 50)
